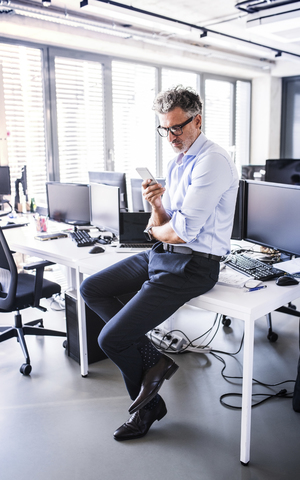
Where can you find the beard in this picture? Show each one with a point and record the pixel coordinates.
(182, 146)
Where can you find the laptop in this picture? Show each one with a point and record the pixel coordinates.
(131, 233)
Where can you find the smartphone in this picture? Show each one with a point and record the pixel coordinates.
(145, 174)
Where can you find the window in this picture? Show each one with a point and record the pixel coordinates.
(80, 118)
(133, 89)
(290, 132)
(242, 124)
(218, 112)
(227, 104)
(24, 115)
(100, 105)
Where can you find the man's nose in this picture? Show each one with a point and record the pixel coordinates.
(171, 136)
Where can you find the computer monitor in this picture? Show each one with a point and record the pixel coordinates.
(253, 172)
(5, 180)
(283, 171)
(136, 194)
(238, 222)
(138, 202)
(114, 179)
(105, 207)
(68, 203)
(272, 216)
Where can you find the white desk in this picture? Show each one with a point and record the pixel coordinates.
(234, 302)
(65, 252)
(224, 300)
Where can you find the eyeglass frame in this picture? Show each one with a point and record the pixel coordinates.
(169, 129)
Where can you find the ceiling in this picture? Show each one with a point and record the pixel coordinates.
(230, 47)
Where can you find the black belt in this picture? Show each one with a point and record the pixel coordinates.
(188, 251)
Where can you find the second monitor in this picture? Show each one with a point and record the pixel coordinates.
(114, 179)
(105, 207)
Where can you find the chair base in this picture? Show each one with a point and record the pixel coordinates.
(19, 331)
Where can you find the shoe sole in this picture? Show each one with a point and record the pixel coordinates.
(169, 373)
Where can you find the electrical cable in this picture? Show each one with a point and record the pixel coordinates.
(283, 393)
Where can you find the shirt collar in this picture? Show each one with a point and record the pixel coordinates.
(193, 150)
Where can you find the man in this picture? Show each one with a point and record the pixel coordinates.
(192, 223)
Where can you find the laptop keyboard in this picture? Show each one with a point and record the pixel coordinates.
(135, 245)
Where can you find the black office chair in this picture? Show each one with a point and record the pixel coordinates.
(19, 291)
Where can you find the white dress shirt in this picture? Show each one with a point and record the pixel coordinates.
(201, 190)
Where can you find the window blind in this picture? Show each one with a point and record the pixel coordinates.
(218, 114)
(80, 118)
(24, 114)
(133, 90)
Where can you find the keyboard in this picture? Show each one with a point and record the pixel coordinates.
(135, 245)
(253, 267)
(82, 238)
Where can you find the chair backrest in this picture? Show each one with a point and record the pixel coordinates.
(8, 275)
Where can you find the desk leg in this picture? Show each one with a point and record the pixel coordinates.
(247, 392)
(81, 327)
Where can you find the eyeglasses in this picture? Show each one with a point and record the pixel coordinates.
(176, 130)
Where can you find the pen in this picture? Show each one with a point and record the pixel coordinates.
(257, 288)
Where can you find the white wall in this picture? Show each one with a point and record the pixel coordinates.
(266, 119)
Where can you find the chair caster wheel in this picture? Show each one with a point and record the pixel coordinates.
(25, 369)
(226, 321)
(272, 337)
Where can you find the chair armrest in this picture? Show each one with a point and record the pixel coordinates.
(39, 267)
(36, 265)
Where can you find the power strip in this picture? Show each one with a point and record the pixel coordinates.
(167, 340)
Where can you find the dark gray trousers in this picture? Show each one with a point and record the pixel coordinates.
(163, 281)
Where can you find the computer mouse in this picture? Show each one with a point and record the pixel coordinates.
(97, 249)
(286, 280)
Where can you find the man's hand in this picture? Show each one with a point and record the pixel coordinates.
(153, 193)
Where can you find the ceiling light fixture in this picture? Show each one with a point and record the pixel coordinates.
(128, 14)
(46, 3)
(66, 20)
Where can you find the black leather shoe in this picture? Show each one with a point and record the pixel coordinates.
(140, 422)
(152, 381)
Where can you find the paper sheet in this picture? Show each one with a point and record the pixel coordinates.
(291, 266)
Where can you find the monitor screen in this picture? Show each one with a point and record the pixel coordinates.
(114, 179)
(105, 207)
(5, 180)
(68, 202)
(283, 171)
(272, 216)
(238, 222)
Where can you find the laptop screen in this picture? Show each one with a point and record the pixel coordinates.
(132, 226)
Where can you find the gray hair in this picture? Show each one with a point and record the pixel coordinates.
(183, 97)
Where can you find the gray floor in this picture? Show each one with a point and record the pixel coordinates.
(56, 424)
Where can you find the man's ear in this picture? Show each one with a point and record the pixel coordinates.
(198, 119)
